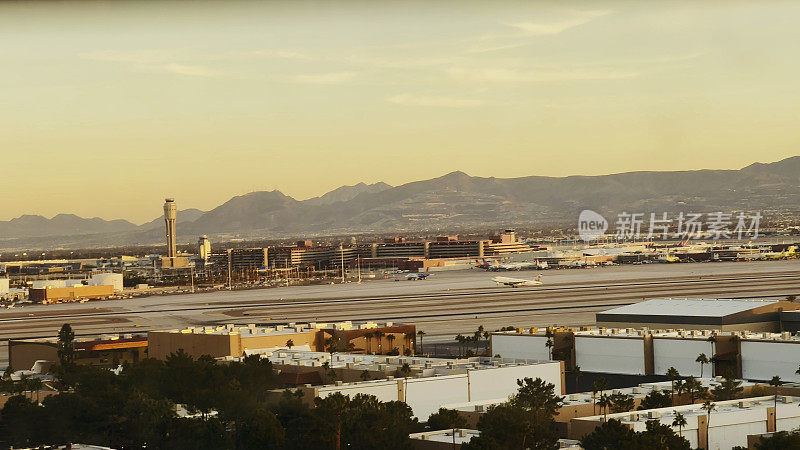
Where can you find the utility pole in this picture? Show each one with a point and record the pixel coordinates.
(341, 248)
(229, 270)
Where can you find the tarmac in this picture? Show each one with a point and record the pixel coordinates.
(445, 304)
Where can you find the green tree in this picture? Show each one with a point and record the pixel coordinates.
(695, 389)
(658, 436)
(708, 407)
(776, 383)
(609, 436)
(621, 402)
(703, 360)
(379, 336)
(446, 419)
(781, 440)
(604, 402)
(525, 421)
(66, 346)
(290, 343)
(654, 400)
(420, 333)
(728, 389)
(390, 337)
(598, 385)
(576, 372)
(368, 337)
(672, 374)
(680, 422)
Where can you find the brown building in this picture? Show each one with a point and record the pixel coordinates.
(70, 294)
(106, 351)
(235, 340)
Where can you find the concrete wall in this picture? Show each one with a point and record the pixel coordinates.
(4, 286)
(426, 395)
(521, 346)
(610, 354)
(162, 343)
(763, 360)
(104, 279)
(680, 354)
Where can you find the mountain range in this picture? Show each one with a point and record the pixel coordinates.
(452, 201)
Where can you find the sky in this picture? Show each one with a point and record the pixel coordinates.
(108, 107)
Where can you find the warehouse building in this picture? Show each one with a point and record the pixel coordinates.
(70, 293)
(104, 351)
(439, 382)
(750, 355)
(583, 404)
(235, 340)
(699, 314)
(728, 426)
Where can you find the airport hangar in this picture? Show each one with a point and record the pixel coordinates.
(700, 314)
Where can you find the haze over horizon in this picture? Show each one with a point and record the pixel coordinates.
(112, 106)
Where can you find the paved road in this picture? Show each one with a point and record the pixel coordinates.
(447, 304)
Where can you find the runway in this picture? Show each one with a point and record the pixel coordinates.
(447, 304)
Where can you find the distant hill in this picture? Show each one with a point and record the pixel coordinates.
(184, 215)
(62, 224)
(452, 201)
(346, 193)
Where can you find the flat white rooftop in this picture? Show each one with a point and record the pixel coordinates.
(693, 307)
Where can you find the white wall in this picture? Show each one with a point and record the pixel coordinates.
(426, 395)
(763, 360)
(4, 286)
(608, 354)
(729, 429)
(520, 346)
(386, 391)
(106, 279)
(680, 354)
(488, 384)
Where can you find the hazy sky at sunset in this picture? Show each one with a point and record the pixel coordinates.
(108, 107)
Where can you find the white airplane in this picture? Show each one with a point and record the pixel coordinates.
(515, 282)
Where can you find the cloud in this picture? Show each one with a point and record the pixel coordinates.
(191, 70)
(324, 78)
(501, 75)
(556, 27)
(446, 102)
(284, 54)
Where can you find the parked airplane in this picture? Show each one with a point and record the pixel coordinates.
(418, 275)
(515, 282)
(524, 265)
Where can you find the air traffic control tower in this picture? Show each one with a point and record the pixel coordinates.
(170, 216)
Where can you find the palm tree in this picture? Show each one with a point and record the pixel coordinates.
(404, 370)
(712, 339)
(576, 372)
(703, 360)
(549, 344)
(680, 422)
(409, 338)
(368, 337)
(477, 337)
(776, 382)
(486, 340)
(708, 407)
(604, 403)
(598, 385)
(460, 339)
(290, 344)
(420, 333)
(390, 337)
(680, 387)
(379, 336)
(672, 373)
